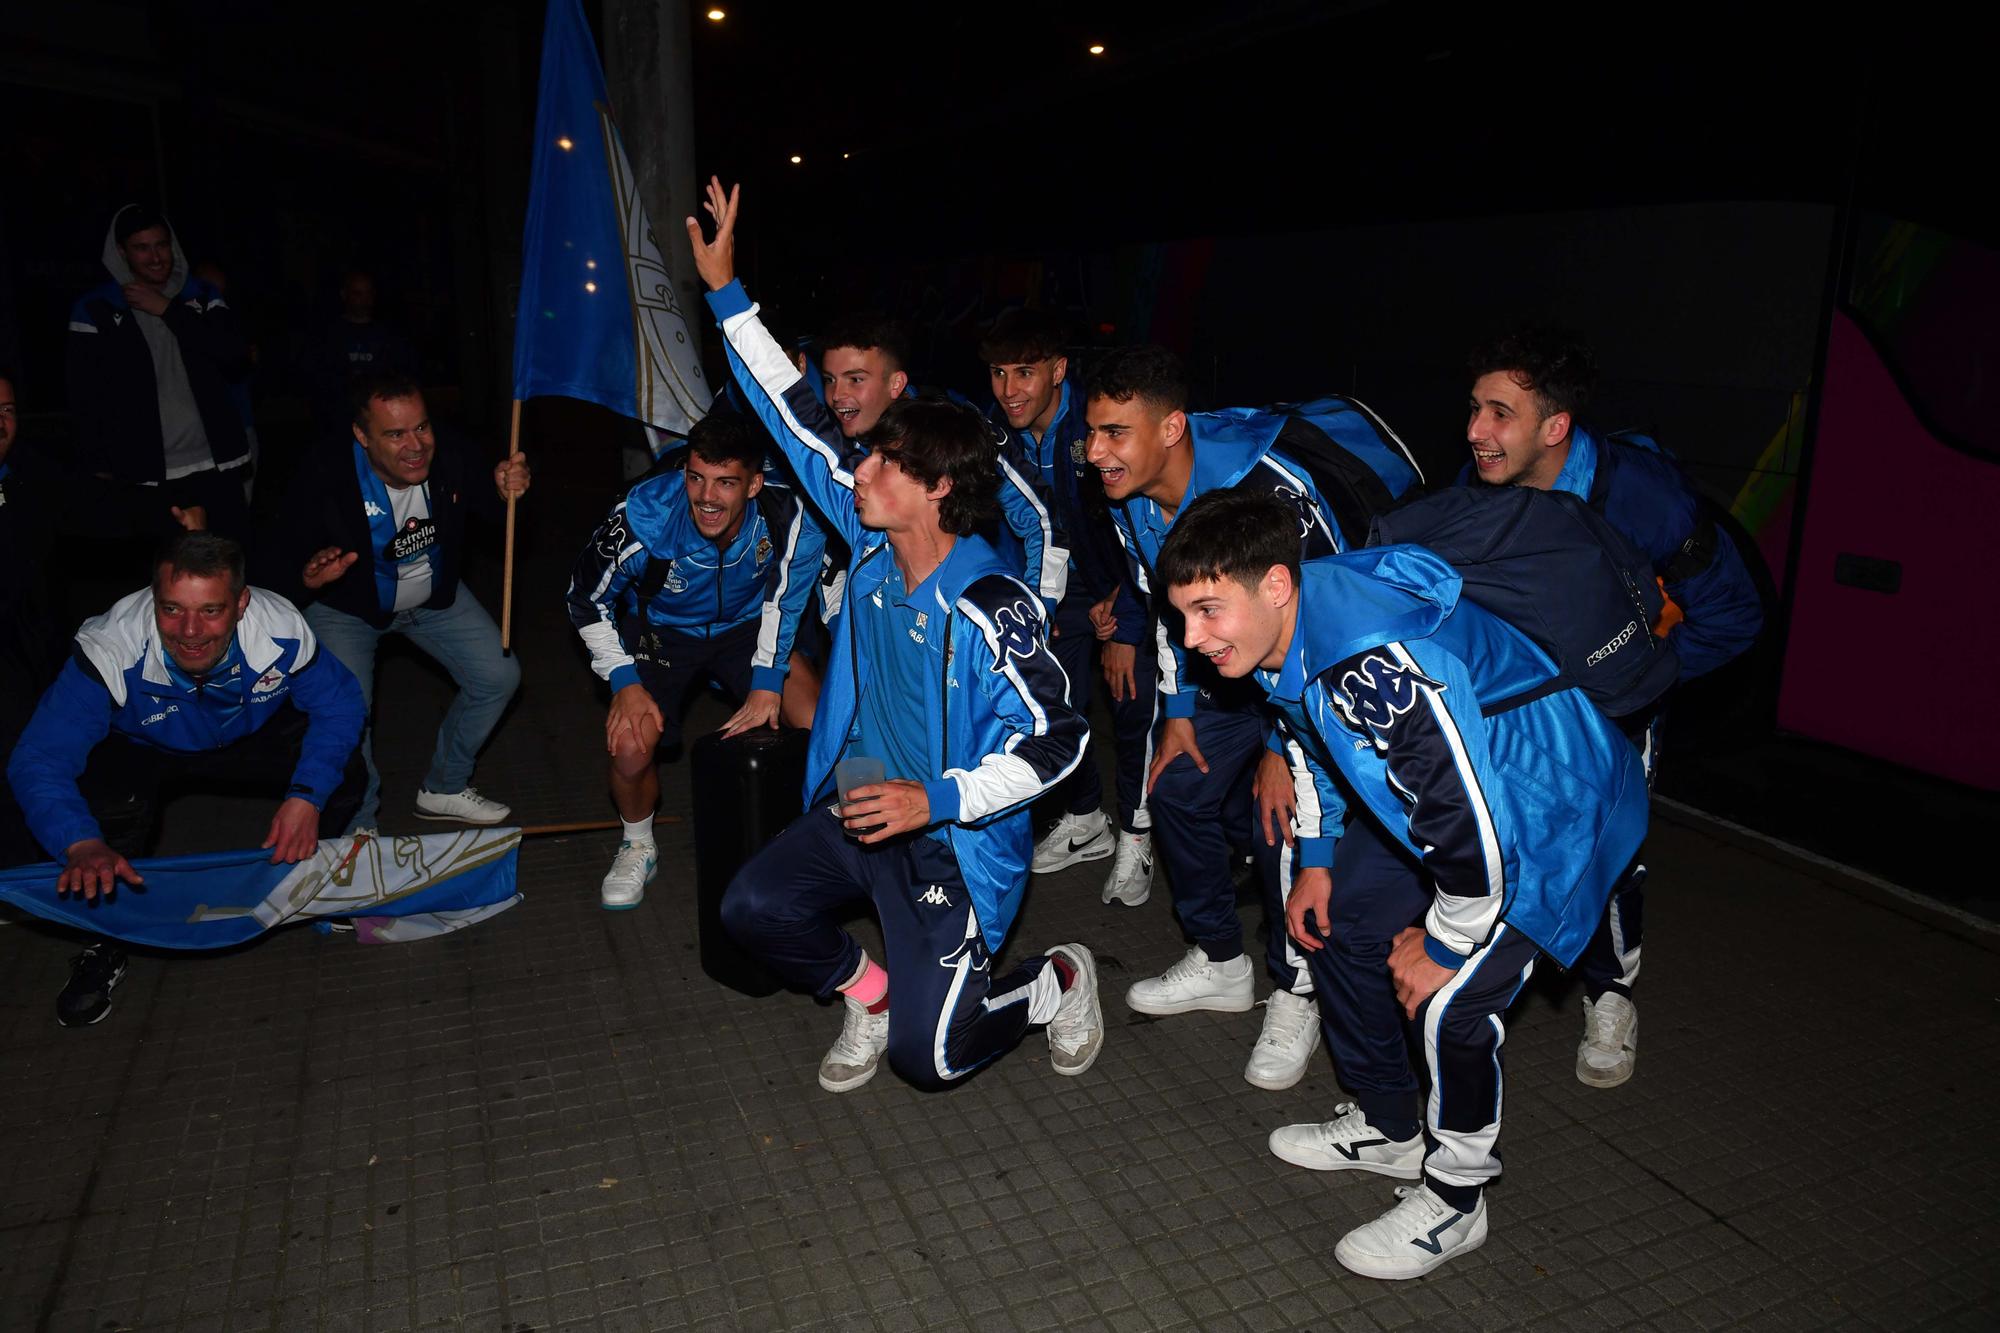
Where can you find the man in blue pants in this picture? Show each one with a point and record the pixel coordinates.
(1041, 402)
(1529, 387)
(1523, 822)
(940, 671)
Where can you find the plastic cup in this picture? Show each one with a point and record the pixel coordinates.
(858, 770)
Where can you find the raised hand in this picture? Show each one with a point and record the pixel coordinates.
(327, 565)
(716, 260)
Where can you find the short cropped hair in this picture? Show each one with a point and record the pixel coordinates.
(1147, 372)
(1555, 365)
(387, 384)
(727, 437)
(865, 329)
(1024, 335)
(202, 555)
(1231, 534)
(932, 438)
(135, 218)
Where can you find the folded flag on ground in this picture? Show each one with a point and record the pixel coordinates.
(391, 888)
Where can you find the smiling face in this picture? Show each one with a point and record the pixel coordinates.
(149, 253)
(1238, 628)
(1513, 444)
(719, 494)
(196, 616)
(860, 382)
(1139, 449)
(1029, 391)
(397, 439)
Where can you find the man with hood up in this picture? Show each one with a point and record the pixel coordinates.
(151, 355)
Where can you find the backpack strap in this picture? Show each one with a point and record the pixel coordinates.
(1555, 684)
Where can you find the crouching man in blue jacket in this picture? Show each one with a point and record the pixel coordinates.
(1513, 830)
(940, 670)
(199, 677)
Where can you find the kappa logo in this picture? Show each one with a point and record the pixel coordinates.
(373, 510)
(270, 680)
(1618, 640)
(1300, 503)
(1379, 691)
(613, 538)
(935, 896)
(1014, 635)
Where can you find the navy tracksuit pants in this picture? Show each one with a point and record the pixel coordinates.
(1610, 962)
(1074, 643)
(948, 1013)
(1378, 890)
(1198, 821)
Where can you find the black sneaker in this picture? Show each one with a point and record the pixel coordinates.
(93, 975)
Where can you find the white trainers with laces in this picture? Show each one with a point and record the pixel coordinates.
(1290, 1036)
(631, 871)
(857, 1053)
(1418, 1234)
(1074, 838)
(1076, 1033)
(1131, 880)
(1348, 1143)
(1196, 983)
(1610, 1045)
(463, 807)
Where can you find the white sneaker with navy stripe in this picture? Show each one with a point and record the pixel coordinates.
(1349, 1143)
(1418, 1234)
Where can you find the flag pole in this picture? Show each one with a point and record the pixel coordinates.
(507, 560)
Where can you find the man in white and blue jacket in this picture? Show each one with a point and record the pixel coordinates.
(1510, 829)
(699, 573)
(940, 671)
(1040, 400)
(1528, 388)
(199, 677)
(1155, 458)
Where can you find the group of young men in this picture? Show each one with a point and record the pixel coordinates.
(1427, 811)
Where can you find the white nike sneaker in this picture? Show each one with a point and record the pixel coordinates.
(857, 1053)
(1349, 1143)
(1074, 838)
(1418, 1234)
(1131, 880)
(1610, 1046)
(1196, 983)
(631, 871)
(1290, 1036)
(462, 807)
(1076, 1033)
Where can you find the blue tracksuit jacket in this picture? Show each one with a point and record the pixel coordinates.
(767, 573)
(997, 719)
(1530, 816)
(119, 679)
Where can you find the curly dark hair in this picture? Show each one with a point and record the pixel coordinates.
(931, 438)
(1148, 372)
(1230, 534)
(1555, 365)
(727, 437)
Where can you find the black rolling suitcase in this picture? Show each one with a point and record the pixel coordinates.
(746, 789)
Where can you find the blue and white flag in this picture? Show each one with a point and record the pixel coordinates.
(391, 888)
(597, 317)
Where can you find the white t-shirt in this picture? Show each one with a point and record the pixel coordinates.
(411, 507)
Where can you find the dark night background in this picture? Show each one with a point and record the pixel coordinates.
(1299, 197)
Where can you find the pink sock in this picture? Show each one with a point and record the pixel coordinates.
(870, 990)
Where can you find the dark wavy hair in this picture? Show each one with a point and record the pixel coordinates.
(1024, 335)
(727, 437)
(865, 329)
(1555, 365)
(1147, 372)
(932, 438)
(1231, 534)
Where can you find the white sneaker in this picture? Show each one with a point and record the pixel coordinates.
(631, 871)
(1290, 1036)
(1076, 1033)
(1131, 879)
(1348, 1143)
(1418, 1234)
(1195, 983)
(856, 1054)
(464, 807)
(1610, 1045)
(1074, 838)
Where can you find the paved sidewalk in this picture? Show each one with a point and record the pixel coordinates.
(555, 1121)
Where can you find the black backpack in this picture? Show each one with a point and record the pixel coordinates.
(1551, 566)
